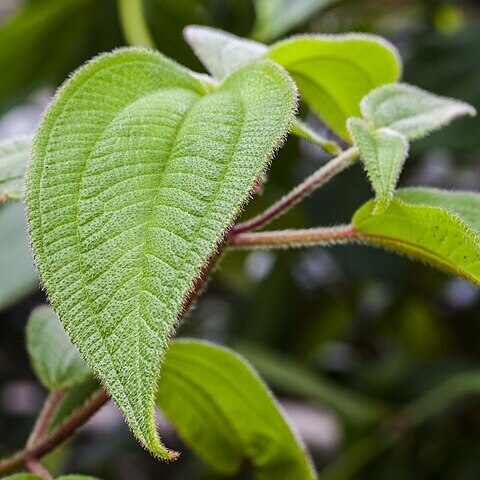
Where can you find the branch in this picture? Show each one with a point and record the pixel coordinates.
(48, 443)
(295, 238)
(317, 179)
(37, 469)
(49, 408)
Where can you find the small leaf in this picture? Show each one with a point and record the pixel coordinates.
(227, 415)
(446, 239)
(14, 154)
(410, 110)
(137, 172)
(383, 153)
(273, 18)
(220, 52)
(334, 72)
(56, 362)
(17, 273)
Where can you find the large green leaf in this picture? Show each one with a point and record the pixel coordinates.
(383, 153)
(136, 174)
(17, 273)
(226, 414)
(410, 110)
(334, 72)
(276, 17)
(446, 237)
(56, 362)
(14, 154)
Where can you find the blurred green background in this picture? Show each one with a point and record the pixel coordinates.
(375, 358)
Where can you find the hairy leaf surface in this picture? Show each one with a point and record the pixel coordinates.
(137, 173)
(410, 110)
(383, 153)
(227, 415)
(334, 72)
(446, 239)
(464, 204)
(57, 363)
(14, 154)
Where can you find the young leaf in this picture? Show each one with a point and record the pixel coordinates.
(220, 52)
(273, 18)
(383, 153)
(56, 362)
(17, 273)
(137, 172)
(410, 110)
(14, 154)
(227, 415)
(446, 239)
(334, 72)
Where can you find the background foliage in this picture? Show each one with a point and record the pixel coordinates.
(375, 357)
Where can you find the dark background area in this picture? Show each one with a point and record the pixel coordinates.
(363, 325)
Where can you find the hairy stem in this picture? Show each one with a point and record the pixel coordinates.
(295, 238)
(38, 469)
(317, 179)
(49, 442)
(49, 408)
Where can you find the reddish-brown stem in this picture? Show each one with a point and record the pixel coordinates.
(295, 238)
(49, 442)
(317, 179)
(49, 408)
(37, 468)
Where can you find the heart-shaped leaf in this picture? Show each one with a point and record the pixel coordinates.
(410, 110)
(137, 172)
(334, 72)
(383, 153)
(222, 409)
(14, 154)
(56, 362)
(447, 236)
